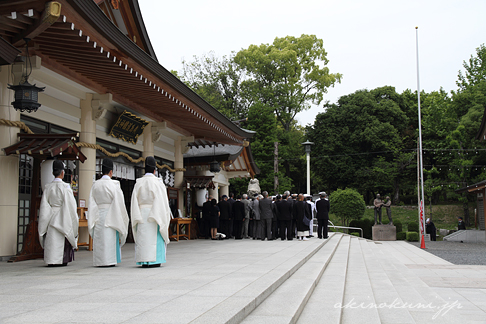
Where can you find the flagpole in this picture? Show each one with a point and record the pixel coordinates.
(421, 206)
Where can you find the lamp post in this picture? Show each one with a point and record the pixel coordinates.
(307, 146)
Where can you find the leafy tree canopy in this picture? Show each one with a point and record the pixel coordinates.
(287, 75)
(475, 70)
(218, 81)
(359, 141)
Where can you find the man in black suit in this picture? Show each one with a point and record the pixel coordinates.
(284, 216)
(292, 199)
(231, 201)
(206, 209)
(275, 222)
(238, 216)
(224, 216)
(322, 207)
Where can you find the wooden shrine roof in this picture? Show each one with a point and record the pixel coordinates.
(47, 145)
(200, 181)
(85, 46)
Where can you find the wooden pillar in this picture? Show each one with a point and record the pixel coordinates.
(148, 144)
(9, 169)
(224, 190)
(87, 170)
(214, 192)
(179, 176)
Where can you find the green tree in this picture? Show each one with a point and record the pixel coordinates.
(287, 75)
(468, 104)
(360, 142)
(347, 204)
(218, 81)
(475, 70)
(283, 78)
(262, 120)
(292, 157)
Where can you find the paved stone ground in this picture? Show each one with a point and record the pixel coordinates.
(457, 252)
(199, 276)
(229, 281)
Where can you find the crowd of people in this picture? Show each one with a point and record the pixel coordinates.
(260, 218)
(264, 218)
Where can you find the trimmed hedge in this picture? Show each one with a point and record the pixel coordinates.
(398, 225)
(365, 223)
(412, 236)
(401, 235)
(413, 227)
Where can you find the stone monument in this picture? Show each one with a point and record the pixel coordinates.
(384, 232)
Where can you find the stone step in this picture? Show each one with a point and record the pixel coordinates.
(285, 304)
(358, 292)
(244, 300)
(452, 235)
(474, 236)
(378, 265)
(398, 287)
(408, 254)
(323, 306)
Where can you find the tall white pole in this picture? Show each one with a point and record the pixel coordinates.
(308, 173)
(421, 206)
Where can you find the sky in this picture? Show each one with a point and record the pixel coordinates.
(371, 43)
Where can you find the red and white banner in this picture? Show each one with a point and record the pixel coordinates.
(421, 218)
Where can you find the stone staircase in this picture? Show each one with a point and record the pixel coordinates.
(468, 236)
(345, 279)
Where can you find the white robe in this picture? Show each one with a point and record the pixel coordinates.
(311, 224)
(58, 220)
(106, 216)
(149, 208)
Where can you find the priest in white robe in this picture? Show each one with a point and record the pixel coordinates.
(107, 218)
(58, 220)
(150, 214)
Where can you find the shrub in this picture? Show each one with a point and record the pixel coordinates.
(401, 235)
(355, 234)
(412, 236)
(398, 225)
(347, 204)
(413, 227)
(354, 223)
(365, 224)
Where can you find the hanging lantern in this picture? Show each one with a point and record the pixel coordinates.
(26, 97)
(26, 94)
(214, 166)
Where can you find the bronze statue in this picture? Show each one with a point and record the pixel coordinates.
(388, 210)
(378, 204)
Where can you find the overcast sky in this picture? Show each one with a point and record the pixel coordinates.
(372, 43)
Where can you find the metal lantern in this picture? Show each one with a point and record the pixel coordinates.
(26, 96)
(214, 166)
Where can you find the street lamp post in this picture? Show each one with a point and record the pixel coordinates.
(307, 146)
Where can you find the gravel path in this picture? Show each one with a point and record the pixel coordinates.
(456, 252)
